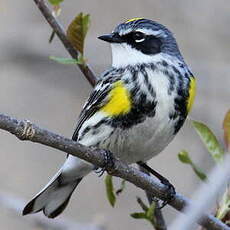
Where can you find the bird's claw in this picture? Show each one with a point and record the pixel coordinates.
(170, 191)
(108, 163)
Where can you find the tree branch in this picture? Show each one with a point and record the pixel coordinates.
(160, 222)
(57, 28)
(25, 130)
(88, 73)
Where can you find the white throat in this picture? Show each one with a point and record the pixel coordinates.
(123, 55)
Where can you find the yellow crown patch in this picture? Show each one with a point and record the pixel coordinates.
(133, 19)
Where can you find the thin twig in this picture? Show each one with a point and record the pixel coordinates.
(57, 28)
(160, 222)
(25, 130)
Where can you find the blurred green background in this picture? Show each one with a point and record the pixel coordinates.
(51, 95)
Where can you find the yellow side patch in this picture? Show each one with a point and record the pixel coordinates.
(192, 93)
(133, 19)
(119, 100)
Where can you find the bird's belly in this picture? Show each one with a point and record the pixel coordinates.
(141, 142)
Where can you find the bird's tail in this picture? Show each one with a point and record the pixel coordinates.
(53, 199)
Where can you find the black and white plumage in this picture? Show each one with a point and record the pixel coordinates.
(134, 111)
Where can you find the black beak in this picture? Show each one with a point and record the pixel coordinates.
(111, 38)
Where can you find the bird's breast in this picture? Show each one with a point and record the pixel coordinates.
(141, 139)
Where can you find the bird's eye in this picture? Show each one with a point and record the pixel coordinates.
(138, 37)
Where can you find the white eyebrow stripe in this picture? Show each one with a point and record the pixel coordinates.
(124, 32)
(157, 33)
(152, 32)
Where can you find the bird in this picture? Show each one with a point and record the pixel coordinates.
(135, 110)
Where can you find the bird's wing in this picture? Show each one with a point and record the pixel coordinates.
(96, 100)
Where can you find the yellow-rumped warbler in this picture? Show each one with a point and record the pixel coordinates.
(134, 111)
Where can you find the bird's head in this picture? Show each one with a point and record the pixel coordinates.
(138, 41)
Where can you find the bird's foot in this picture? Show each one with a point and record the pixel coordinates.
(108, 163)
(170, 191)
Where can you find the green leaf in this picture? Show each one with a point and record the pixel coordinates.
(138, 215)
(224, 205)
(55, 2)
(147, 215)
(110, 189)
(185, 158)
(199, 173)
(150, 211)
(226, 127)
(66, 60)
(121, 189)
(210, 140)
(77, 31)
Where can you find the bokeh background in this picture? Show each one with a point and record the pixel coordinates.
(51, 95)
